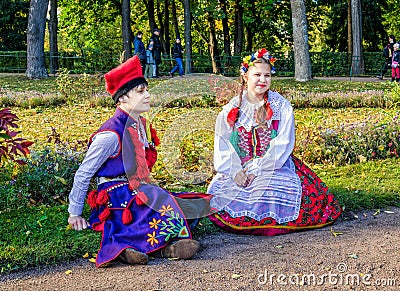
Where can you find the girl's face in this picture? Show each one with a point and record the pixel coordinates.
(136, 101)
(258, 79)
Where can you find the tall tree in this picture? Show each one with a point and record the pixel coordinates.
(357, 63)
(126, 28)
(300, 41)
(35, 40)
(213, 44)
(239, 28)
(225, 28)
(188, 36)
(175, 19)
(53, 33)
(166, 27)
(150, 14)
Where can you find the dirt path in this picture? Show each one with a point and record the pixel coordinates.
(365, 257)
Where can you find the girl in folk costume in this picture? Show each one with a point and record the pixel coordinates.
(135, 217)
(395, 63)
(260, 187)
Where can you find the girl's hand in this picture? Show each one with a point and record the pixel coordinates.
(241, 178)
(78, 222)
(250, 179)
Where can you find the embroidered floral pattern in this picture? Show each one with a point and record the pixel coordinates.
(164, 209)
(171, 225)
(152, 238)
(154, 223)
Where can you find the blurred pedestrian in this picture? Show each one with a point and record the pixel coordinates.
(387, 54)
(178, 55)
(140, 50)
(156, 50)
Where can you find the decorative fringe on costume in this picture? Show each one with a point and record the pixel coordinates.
(127, 216)
(105, 214)
(141, 198)
(142, 171)
(91, 199)
(102, 197)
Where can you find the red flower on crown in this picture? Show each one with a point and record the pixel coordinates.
(261, 53)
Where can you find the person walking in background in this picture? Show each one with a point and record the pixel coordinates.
(156, 50)
(140, 50)
(395, 63)
(150, 71)
(178, 55)
(387, 54)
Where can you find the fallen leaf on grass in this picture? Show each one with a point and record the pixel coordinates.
(68, 272)
(377, 212)
(279, 247)
(61, 179)
(335, 233)
(236, 276)
(92, 260)
(353, 256)
(389, 212)
(86, 255)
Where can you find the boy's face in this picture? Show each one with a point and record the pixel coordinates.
(136, 101)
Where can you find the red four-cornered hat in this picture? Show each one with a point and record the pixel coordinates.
(124, 77)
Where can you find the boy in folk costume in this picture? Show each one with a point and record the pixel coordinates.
(136, 218)
(260, 187)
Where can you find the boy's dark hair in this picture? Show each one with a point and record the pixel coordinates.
(139, 33)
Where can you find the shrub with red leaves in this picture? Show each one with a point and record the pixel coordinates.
(11, 147)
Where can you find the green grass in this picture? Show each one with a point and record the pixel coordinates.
(39, 236)
(369, 185)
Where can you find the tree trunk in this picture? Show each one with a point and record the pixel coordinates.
(188, 36)
(126, 29)
(166, 27)
(35, 65)
(162, 30)
(150, 14)
(175, 19)
(300, 41)
(357, 63)
(239, 29)
(349, 33)
(225, 29)
(213, 44)
(249, 38)
(53, 31)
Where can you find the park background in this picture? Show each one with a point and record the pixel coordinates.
(347, 131)
(326, 37)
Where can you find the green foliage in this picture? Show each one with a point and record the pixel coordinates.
(47, 177)
(11, 147)
(13, 23)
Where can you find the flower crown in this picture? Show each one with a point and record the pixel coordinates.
(261, 53)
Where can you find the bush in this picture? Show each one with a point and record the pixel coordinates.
(46, 178)
(350, 144)
(11, 147)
